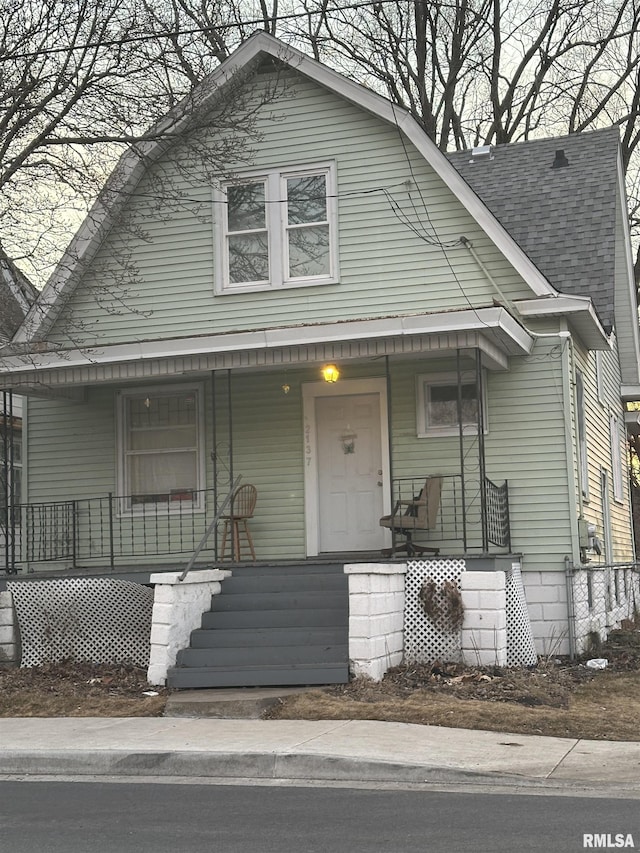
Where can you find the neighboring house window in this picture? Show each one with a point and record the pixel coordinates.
(437, 404)
(616, 458)
(582, 434)
(277, 229)
(161, 447)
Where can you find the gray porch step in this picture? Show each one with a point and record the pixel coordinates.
(263, 656)
(303, 569)
(321, 617)
(262, 676)
(287, 583)
(219, 638)
(271, 627)
(258, 600)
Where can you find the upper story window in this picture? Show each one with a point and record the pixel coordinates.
(277, 229)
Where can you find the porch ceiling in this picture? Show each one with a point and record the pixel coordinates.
(492, 330)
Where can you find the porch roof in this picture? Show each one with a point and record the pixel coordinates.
(492, 330)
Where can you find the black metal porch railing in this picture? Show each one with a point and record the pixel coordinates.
(113, 527)
(472, 515)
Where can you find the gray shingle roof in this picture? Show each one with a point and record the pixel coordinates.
(12, 310)
(563, 218)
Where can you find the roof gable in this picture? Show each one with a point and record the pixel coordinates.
(133, 164)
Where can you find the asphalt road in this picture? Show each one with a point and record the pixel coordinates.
(82, 817)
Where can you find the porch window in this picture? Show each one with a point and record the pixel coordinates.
(437, 405)
(276, 229)
(160, 446)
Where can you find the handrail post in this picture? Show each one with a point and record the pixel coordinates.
(111, 558)
(74, 533)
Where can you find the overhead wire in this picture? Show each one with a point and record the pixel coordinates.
(214, 28)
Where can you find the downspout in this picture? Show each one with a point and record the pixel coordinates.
(573, 477)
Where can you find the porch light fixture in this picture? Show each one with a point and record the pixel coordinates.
(330, 373)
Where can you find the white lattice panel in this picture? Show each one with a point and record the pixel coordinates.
(521, 649)
(427, 640)
(97, 619)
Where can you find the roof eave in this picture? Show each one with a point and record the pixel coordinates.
(577, 310)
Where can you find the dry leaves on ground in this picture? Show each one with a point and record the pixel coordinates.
(557, 698)
(79, 689)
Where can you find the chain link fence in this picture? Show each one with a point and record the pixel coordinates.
(602, 597)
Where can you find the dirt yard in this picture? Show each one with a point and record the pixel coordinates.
(557, 698)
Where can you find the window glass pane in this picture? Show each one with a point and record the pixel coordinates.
(309, 251)
(161, 453)
(158, 476)
(163, 439)
(248, 258)
(245, 207)
(442, 405)
(307, 199)
(165, 410)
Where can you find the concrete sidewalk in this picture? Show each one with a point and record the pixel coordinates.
(351, 750)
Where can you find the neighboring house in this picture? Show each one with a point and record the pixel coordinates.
(17, 295)
(479, 309)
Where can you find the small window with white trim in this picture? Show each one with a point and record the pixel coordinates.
(276, 229)
(439, 400)
(160, 447)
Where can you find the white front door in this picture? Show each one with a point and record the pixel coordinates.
(350, 472)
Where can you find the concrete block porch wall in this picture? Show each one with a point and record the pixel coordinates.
(9, 643)
(376, 617)
(484, 626)
(177, 610)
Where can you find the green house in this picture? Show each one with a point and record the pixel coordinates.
(291, 284)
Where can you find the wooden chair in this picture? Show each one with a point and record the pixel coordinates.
(243, 503)
(415, 515)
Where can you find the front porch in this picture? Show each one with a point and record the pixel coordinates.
(93, 535)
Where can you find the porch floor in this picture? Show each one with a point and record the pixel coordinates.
(141, 573)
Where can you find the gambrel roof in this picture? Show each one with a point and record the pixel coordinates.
(544, 258)
(557, 198)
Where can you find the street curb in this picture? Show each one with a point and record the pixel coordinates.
(232, 765)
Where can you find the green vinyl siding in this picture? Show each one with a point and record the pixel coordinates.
(154, 275)
(524, 444)
(72, 452)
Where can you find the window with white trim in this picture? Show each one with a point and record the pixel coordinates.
(277, 229)
(160, 447)
(616, 458)
(437, 404)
